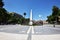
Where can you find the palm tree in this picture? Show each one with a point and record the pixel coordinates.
(24, 14)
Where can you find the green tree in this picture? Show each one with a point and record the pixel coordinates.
(11, 18)
(59, 13)
(4, 16)
(15, 18)
(1, 3)
(55, 13)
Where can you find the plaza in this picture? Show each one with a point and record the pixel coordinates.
(19, 32)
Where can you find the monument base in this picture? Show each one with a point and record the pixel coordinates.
(30, 23)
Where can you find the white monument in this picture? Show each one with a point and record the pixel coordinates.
(30, 23)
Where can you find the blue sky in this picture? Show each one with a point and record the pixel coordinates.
(39, 7)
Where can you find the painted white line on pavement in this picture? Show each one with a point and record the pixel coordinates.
(29, 30)
(32, 30)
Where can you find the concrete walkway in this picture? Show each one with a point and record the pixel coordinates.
(10, 36)
(30, 33)
(46, 37)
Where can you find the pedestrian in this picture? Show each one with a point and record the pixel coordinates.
(54, 25)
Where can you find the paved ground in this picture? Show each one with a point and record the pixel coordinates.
(14, 29)
(11, 36)
(18, 32)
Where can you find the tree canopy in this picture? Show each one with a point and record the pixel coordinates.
(1, 3)
(54, 16)
(11, 17)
